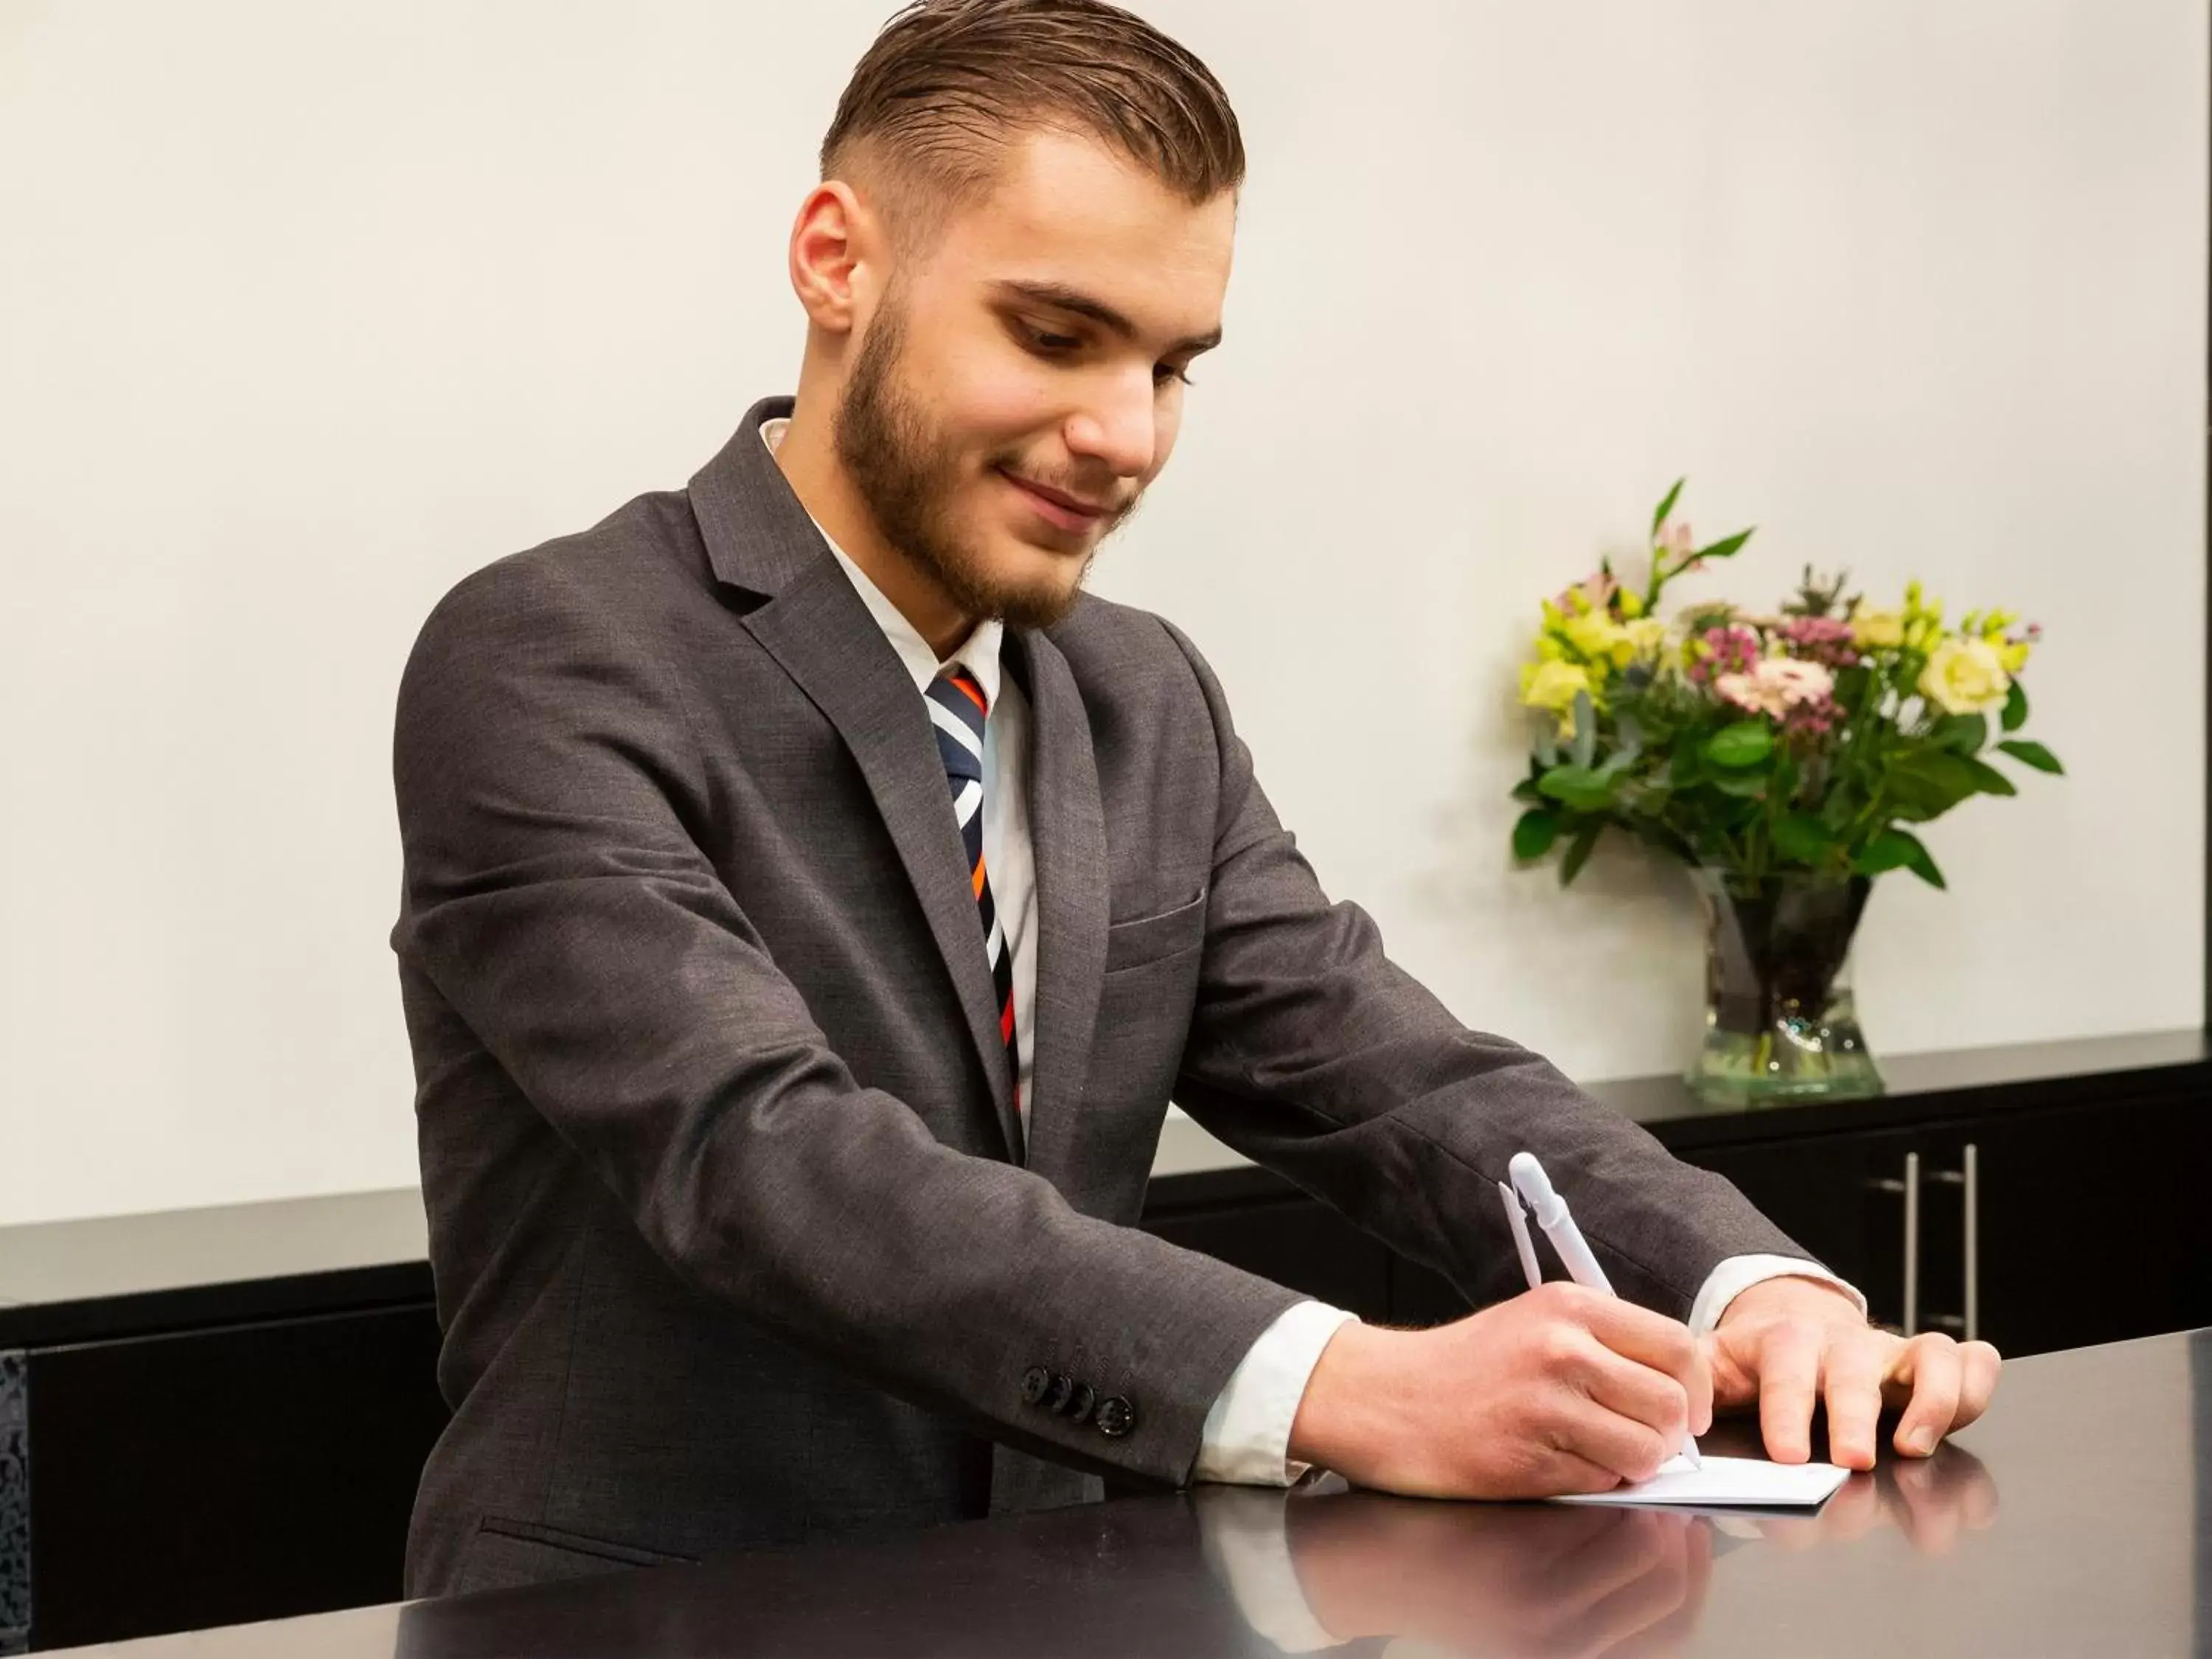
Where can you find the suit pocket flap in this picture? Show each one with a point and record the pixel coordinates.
(507, 1554)
(1148, 938)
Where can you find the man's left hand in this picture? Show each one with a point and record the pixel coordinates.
(1790, 1343)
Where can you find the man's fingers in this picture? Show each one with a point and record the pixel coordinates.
(1662, 1344)
(1931, 1364)
(1789, 1377)
(1638, 1333)
(1637, 1392)
(1854, 1370)
(1631, 1449)
(1978, 1364)
(1568, 1471)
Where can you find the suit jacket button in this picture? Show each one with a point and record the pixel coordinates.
(1079, 1405)
(1115, 1417)
(1035, 1382)
(1056, 1399)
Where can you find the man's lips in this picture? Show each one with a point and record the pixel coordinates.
(1073, 506)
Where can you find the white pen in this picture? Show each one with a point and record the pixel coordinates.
(1531, 1182)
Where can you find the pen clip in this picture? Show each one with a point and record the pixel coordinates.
(1522, 1242)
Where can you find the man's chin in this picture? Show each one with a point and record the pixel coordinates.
(1037, 607)
(1039, 598)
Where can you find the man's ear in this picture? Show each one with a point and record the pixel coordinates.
(829, 273)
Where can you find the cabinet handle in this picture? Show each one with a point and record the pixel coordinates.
(1968, 1177)
(1910, 1188)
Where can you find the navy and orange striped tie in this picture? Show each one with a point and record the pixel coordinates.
(957, 709)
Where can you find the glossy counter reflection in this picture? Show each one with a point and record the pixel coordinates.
(2073, 1519)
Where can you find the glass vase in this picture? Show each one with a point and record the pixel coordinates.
(1780, 1023)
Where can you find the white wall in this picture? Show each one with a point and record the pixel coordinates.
(305, 311)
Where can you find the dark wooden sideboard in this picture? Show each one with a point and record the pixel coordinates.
(214, 1416)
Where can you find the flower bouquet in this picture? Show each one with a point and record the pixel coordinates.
(1785, 758)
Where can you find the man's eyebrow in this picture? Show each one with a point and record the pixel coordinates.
(1061, 297)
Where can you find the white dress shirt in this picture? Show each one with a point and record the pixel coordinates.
(1247, 1434)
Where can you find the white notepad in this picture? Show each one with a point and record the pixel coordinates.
(1726, 1482)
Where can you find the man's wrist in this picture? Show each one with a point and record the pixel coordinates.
(1793, 1292)
(1346, 1407)
(1731, 1278)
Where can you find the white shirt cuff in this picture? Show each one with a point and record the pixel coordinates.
(1246, 1439)
(1739, 1272)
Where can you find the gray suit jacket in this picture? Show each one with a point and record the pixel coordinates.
(737, 1235)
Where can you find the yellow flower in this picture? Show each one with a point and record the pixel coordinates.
(1965, 676)
(2013, 656)
(1631, 607)
(1601, 639)
(1553, 685)
(1647, 638)
(1877, 630)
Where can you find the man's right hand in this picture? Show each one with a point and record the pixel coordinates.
(1561, 1389)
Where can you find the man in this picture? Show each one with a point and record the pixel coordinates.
(812, 900)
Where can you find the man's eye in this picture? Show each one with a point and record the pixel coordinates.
(1046, 343)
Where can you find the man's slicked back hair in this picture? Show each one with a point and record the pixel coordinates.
(948, 84)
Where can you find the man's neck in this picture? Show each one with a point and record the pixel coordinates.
(809, 464)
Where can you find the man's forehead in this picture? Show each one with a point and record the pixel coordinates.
(1072, 223)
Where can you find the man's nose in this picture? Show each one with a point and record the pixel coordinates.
(1118, 426)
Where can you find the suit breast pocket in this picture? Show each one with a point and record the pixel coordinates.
(1145, 939)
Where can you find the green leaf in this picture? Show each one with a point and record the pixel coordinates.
(2015, 708)
(1963, 734)
(1578, 851)
(1526, 792)
(1577, 786)
(1924, 867)
(2031, 754)
(1892, 849)
(1724, 547)
(1926, 782)
(1745, 785)
(1668, 505)
(1745, 744)
(1584, 748)
(1989, 780)
(1801, 836)
(1546, 740)
(1533, 834)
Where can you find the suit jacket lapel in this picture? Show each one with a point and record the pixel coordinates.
(1067, 833)
(759, 539)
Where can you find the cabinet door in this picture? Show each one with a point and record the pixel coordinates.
(2091, 1224)
(1841, 1197)
(213, 1477)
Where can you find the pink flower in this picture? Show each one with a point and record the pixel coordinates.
(1729, 650)
(1822, 640)
(1777, 685)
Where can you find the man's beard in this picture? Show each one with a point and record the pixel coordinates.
(907, 475)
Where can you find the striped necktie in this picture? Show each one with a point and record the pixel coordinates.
(956, 707)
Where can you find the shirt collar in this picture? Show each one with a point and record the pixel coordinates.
(978, 653)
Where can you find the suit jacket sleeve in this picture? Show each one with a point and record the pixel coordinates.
(546, 772)
(1314, 1053)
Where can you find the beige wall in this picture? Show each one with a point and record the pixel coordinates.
(305, 311)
